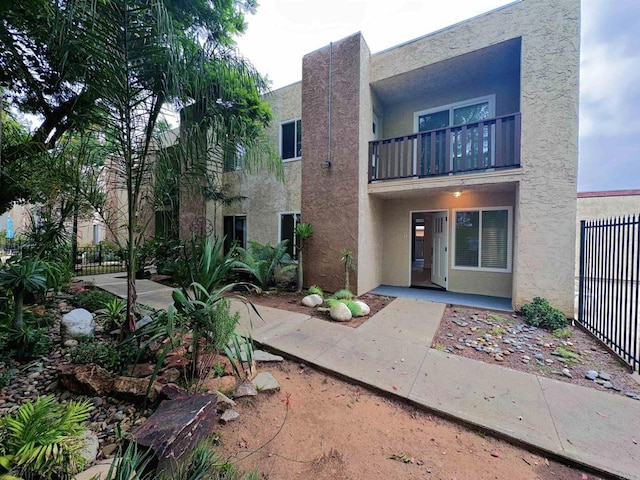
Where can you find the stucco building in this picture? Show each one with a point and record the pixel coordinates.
(448, 161)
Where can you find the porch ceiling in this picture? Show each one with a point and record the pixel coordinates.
(484, 65)
(421, 190)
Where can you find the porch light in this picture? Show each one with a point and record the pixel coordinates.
(457, 194)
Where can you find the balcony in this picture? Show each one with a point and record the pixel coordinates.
(488, 145)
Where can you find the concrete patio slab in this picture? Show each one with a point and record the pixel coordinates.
(271, 322)
(596, 428)
(408, 319)
(494, 397)
(385, 363)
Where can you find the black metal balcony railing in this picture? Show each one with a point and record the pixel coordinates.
(493, 143)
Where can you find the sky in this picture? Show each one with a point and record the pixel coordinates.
(283, 31)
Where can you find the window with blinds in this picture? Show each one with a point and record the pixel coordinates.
(482, 239)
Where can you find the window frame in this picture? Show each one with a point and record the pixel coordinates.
(295, 122)
(479, 268)
(246, 230)
(294, 257)
(490, 99)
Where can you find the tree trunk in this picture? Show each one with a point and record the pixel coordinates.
(74, 239)
(18, 301)
(300, 271)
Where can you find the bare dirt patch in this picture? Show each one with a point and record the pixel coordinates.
(292, 302)
(504, 339)
(333, 430)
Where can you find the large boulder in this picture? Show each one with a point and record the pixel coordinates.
(89, 379)
(89, 449)
(364, 308)
(340, 313)
(135, 389)
(77, 323)
(176, 428)
(312, 300)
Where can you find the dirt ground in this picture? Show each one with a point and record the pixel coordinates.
(323, 428)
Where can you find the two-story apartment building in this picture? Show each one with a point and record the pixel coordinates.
(449, 161)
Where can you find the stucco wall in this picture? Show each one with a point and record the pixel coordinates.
(330, 195)
(596, 205)
(546, 205)
(396, 235)
(266, 196)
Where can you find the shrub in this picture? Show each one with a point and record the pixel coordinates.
(92, 300)
(343, 294)
(113, 314)
(540, 313)
(109, 355)
(43, 438)
(315, 289)
(266, 262)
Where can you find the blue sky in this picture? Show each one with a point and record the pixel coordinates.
(282, 31)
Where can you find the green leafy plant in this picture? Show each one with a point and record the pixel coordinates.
(109, 355)
(113, 314)
(346, 257)
(92, 300)
(561, 333)
(241, 357)
(266, 262)
(29, 341)
(303, 233)
(315, 290)
(568, 355)
(43, 438)
(351, 305)
(21, 275)
(540, 313)
(343, 294)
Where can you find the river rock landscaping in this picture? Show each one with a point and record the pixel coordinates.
(569, 355)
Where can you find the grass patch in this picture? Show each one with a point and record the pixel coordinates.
(568, 355)
(561, 333)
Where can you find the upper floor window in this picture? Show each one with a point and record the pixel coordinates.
(233, 157)
(291, 140)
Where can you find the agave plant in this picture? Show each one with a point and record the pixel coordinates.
(43, 438)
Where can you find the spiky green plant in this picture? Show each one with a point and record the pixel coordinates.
(315, 290)
(241, 345)
(344, 293)
(266, 261)
(352, 306)
(43, 438)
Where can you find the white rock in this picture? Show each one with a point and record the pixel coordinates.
(364, 308)
(89, 448)
(70, 343)
(77, 323)
(313, 300)
(265, 382)
(340, 313)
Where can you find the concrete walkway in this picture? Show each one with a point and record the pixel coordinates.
(391, 352)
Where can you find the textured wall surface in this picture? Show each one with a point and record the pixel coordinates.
(330, 196)
(266, 196)
(545, 204)
(396, 235)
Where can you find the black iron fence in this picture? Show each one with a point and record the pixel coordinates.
(96, 260)
(90, 260)
(608, 291)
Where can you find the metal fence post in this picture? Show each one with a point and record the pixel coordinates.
(582, 270)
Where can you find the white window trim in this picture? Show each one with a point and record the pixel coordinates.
(293, 212)
(491, 99)
(293, 159)
(509, 239)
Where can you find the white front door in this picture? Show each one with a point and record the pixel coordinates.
(439, 259)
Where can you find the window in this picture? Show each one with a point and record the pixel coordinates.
(288, 222)
(478, 140)
(233, 157)
(482, 239)
(291, 140)
(235, 231)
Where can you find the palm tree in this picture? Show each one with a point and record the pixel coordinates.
(303, 232)
(26, 275)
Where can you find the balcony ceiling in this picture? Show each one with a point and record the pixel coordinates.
(484, 65)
